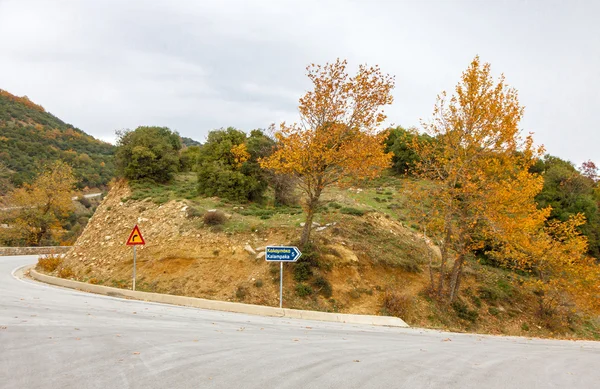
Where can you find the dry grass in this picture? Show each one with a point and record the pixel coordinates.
(48, 263)
(66, 272)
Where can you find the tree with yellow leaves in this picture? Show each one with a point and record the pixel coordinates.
(338, 135)
(478, 163)
(41, 206)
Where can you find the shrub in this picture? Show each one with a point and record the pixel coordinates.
(323, 286)
(94, 281)
(463, 311)
(397, 304)
(302, 271)
(148, 153)
(227, 165)
(303, 290)
(352, 211)
(49, 263)
(240, 293)
(214, 218)
(85, 202)
(193, 213)
(66, 272)
(258, 283)
(525, 327)
(335, 205)
(493, 311)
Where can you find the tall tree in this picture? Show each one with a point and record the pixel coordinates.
(227, 168)
(476, 163)
(148, 153)
(338, 133)
(41, 206)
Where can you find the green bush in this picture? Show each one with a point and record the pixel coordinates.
(258, 283)
(148, 153)
(302, 271)
(352, 211)
(463, 311)
(323, 286)
(223, 172)
(303, 290)
(335, 205)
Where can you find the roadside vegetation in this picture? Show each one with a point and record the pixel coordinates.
(463, 224)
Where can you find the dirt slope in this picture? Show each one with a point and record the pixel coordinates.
(182, 257)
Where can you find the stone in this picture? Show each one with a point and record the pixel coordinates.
(260, 255)
(261, 248)
(320, 228)
(107, 237)
(249, 250)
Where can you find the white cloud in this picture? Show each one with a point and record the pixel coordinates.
(198, 65)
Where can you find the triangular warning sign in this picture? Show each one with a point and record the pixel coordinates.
(136, 237)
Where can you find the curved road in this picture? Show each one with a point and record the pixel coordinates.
(59, 338)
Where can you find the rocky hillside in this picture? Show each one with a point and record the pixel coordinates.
(361, 262)
(182, 256)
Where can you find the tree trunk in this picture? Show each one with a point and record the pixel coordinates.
(455, 278)
(307, 225)
(444, 259)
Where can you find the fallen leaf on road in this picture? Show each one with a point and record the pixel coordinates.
(296, 340)
(136, 353)
(356, 360)
(3, 328)
(447, 340)
(118, 335)
(77, 338)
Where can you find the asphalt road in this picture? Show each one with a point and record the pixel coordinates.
(59, 338)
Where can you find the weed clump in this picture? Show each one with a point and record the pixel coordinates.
(193, 213)
(352, 211)
(66, 272)
(240, 293)
(303, 290)
(463, 311)
(397, 304)
(323, 286)
(214, 218)
(49, 263)
(302, 271)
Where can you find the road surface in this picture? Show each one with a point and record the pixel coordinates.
(59, 338)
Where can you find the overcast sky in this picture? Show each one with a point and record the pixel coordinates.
(198, 65)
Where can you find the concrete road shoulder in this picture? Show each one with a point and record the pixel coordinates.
(226, 306)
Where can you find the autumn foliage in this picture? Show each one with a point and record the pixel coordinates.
(483, 196)
(22, 100)
(41, 206)
(337, 136)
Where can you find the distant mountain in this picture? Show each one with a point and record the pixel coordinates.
(31, 137)
(189, 142)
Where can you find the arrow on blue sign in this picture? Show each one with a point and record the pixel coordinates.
(282, 253)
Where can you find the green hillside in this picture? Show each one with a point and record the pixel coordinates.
(31, 137)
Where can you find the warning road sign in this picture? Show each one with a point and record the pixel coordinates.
(136, 237)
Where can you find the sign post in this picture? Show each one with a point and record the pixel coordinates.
(135, 239)
(281, 254)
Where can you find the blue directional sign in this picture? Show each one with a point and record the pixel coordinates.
(282, 254)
